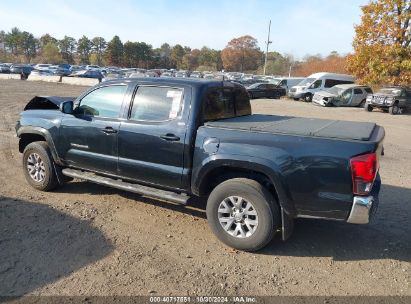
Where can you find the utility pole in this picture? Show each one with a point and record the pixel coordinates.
(267, 43)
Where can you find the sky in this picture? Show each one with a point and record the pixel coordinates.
(299, 27)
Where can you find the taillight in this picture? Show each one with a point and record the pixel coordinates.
(364, 169)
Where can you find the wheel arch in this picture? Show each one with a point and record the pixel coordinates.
(216, 171)
(28, 135)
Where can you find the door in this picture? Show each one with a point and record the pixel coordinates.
(315, 86)
(261, 90)
(346, 97)
(152, 140)
(358, 97)
(407, 97)
(88, 139)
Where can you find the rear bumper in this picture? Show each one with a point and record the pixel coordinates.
(364, 207)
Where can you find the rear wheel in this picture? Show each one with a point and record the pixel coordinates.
(296, 99)
(243, 214)
(38, 166)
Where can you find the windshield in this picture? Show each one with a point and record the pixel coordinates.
(390, 91)
(335, 90)
(306, 81)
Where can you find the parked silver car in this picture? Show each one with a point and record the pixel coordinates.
(343, 95)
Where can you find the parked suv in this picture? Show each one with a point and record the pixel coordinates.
(393, 99)
(343, 95)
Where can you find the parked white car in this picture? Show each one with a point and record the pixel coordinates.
(343, 95)
(42, 66)
(317, 82)
(93, 67)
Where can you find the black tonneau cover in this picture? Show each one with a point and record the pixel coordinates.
(46, 102)
(347, 130)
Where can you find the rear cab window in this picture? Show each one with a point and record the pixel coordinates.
(222, 103)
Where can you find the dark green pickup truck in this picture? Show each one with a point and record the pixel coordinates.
(176, 139)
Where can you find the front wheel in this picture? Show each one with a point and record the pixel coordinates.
(243, 214)
(38, 166)
(368, 108)
(394, 109)
(308, 97)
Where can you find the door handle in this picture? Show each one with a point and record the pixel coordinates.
(170, 137)
(109, 130)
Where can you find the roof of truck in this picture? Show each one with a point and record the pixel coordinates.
(195, 82)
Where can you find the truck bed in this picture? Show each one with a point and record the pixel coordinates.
(336, 129)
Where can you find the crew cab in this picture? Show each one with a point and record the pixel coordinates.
(392, 99)
(175, 139)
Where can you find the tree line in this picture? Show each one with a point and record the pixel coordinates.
(382, 51)
(23, 47)
(241, 54)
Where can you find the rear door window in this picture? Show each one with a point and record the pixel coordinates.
(156, 103)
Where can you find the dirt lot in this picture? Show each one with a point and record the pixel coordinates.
(85, 239)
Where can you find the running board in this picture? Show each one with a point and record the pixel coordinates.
(135, 188)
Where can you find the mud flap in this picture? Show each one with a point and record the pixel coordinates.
(287, 225)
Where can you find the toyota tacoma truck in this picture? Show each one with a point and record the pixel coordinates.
(176, 139)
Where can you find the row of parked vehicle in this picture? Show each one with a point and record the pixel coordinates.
(329, 89)
(324, 89)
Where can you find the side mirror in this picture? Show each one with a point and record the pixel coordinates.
(67, 107)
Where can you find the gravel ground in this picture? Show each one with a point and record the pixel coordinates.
(85, 239)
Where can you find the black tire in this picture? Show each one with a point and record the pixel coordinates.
(266, 207)
(251, 95)
(50, 180)
(394, 109)
(368, 108)
(296, 99)
(308, 97)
